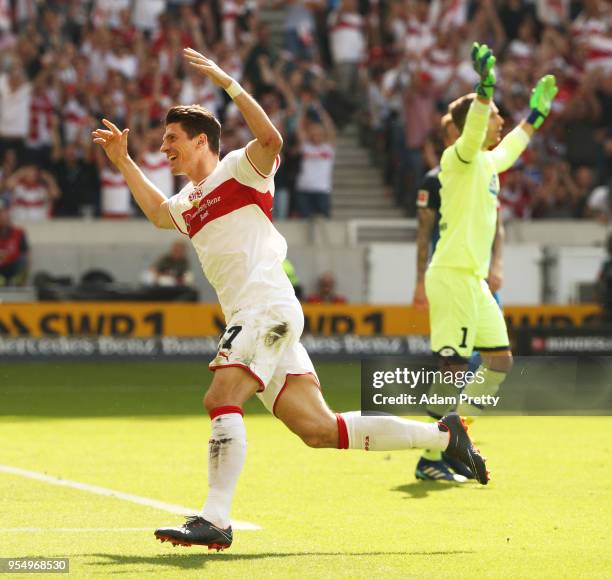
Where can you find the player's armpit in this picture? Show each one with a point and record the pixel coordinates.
(263, 160)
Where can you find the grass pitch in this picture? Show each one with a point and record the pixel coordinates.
(139, 428)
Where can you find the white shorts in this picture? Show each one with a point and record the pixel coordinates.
(265, 342)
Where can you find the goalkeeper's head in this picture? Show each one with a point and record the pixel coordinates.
(458, 110)
(450, 133)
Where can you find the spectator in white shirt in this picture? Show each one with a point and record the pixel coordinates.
(348, 46)
(154, 163)
(317, 142)
(599, 204)
(15, 99)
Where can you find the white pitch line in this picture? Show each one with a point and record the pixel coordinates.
(168, 507)
(73, 529)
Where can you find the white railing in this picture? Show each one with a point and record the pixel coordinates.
(357, 228)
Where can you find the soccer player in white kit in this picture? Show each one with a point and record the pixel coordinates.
(226, 212)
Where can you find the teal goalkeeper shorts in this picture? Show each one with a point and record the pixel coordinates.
(463, 314)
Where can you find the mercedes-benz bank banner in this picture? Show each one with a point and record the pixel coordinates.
(128, 329)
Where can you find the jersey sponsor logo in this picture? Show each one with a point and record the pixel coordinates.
(228, 197)
(422, 198)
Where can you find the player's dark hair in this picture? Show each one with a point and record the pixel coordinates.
(459, 109)
(195, 120)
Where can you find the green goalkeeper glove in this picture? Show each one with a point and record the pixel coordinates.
(483, 62)
(541, 100)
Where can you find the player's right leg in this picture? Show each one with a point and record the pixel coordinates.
(230, 389)
(302, 408)
(453, 315)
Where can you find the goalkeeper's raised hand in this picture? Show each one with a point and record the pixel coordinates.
(541, 100)
(483, 62)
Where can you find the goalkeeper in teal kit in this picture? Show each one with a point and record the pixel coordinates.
(464, 316)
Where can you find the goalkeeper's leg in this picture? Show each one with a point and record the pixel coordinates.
(433, 464)
(493, 371)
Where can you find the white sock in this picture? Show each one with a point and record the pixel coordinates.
(389, 433)
(226, 456)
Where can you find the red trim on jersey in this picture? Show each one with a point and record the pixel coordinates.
(174, 221)
(27, 203)
(228, 197)
(285, 386)
(343, 437)
(276, 164)
(220, 410)
(244, 367)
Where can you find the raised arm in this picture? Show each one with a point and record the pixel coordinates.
(475, 127)
(328, 124)
(149, 198)
(515, 142)
(268, 140)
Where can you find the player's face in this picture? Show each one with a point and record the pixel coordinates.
(496, 124)
(178, 148)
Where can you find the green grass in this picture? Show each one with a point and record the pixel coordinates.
(139, 428)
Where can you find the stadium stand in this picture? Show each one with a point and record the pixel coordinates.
(383, 70)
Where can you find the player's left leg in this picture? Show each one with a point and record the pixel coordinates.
(491, 340)
(302, 408)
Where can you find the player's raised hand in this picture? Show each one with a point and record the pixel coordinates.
(207, 67)
(113, 141)
(541, 100)
(483, 62)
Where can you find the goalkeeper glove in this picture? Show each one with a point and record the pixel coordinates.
(483, 62)
(541, 100)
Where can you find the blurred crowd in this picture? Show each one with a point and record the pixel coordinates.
(423, 63)
(392, 66)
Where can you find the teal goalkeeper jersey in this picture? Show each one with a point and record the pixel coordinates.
(470, 184)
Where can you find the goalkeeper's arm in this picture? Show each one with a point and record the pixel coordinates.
(475, 126)
(514, 143)
(474, 131)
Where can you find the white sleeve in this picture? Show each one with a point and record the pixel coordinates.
(598, 199)
(176, 214)
(247, 173)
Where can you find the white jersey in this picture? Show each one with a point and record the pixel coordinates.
(316, 168)
(31, 202)
(115, 196)
(228, 217)
(156, 167)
